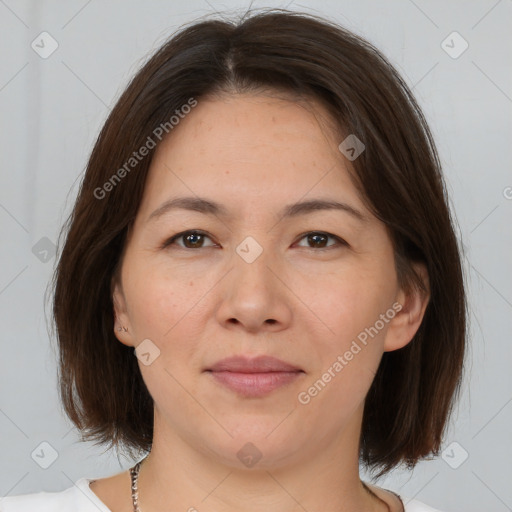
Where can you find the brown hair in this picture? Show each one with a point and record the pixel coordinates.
(399, 175)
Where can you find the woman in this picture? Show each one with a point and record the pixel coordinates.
(260, 286)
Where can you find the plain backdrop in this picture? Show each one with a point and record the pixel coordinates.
(51, 110)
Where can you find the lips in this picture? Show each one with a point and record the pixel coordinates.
(260, 364)
(254, 377)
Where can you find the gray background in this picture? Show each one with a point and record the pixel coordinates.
(52, 110)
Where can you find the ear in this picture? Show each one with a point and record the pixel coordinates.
(122, 327)
(409, 316)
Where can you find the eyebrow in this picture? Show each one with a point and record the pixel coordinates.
(209, 207)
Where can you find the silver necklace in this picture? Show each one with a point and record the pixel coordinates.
(134, 474)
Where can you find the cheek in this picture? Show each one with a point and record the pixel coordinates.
(159, 300)
(170, 305)
(166, 308)
(350, 301)
(347, 359)
(351, 305)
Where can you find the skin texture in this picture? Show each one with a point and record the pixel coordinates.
(300, 302)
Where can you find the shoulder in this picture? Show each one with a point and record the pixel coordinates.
(78, 498)
(410, 504)
(417, 506)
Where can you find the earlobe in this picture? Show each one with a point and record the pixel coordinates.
(122, 328)
(408, 319)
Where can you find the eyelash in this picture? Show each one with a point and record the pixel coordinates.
(176, 237)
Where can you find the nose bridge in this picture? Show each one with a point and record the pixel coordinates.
(252, 262)
(253, 295)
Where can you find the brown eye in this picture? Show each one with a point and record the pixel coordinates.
(191, 240)
(318, 240)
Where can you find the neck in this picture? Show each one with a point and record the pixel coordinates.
(178, 476)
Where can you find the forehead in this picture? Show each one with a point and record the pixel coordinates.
(233, 125)
(251, 149)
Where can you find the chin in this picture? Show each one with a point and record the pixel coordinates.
(255, 445)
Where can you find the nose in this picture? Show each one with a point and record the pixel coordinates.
(254, 296)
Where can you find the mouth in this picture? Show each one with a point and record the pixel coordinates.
(254, 377)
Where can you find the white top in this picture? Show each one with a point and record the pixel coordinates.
(80, 498)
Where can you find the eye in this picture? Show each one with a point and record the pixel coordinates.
(193, 239)
(318, 239)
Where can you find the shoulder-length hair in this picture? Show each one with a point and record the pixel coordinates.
(398, 174)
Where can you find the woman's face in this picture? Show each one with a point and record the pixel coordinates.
(300, 284)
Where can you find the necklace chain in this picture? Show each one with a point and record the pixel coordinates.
(134, 474)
